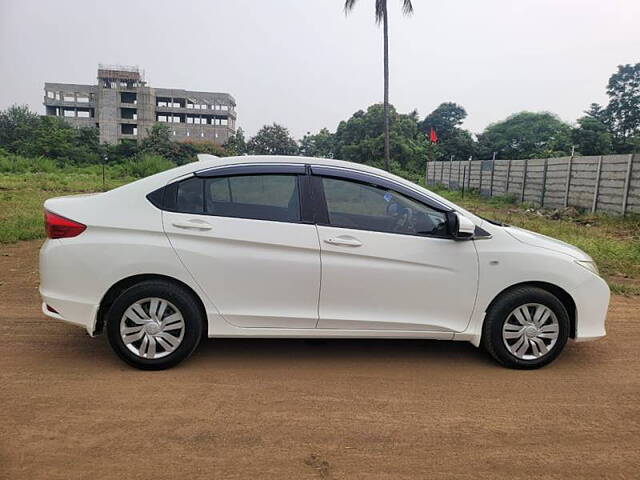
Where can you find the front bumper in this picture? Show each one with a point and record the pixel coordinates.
(592, 302)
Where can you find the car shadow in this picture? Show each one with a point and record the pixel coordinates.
(309, 352)
(70, 344)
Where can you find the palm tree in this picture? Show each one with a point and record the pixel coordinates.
(381, 16)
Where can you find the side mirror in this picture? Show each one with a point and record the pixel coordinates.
(460, 227)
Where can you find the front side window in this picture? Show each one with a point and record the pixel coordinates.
(260, 197)
(367, 207)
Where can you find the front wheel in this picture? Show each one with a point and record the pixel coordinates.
(526, 327)
(154, 325)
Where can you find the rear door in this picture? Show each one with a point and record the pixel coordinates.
(238, 230)
(388, 262)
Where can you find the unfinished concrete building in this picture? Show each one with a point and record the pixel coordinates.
(124, 108)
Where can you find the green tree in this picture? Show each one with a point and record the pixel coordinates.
(526, 135)
(382, 17)
(361, 139)
(31, 135)
(272, 140)
(321, 144)
(88, 137)
(459, 143)
(591, 137)
(623, 111)
(446, 117)
(87, 145)
(120, 152)
(452, 140)
(17, 124)
(598, 112)
(236, 144)
(52, 137)
(204, 146)
(158, 142)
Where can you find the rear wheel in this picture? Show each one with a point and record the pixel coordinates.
(526, 327)
(154, 325)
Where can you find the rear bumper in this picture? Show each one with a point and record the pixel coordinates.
(76, 313)
(63, 286)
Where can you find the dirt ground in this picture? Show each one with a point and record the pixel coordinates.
(289, 409)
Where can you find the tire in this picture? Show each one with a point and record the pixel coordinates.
(513, 337)
(172, 331)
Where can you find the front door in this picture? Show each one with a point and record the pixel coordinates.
(242, 240)
(388, 263)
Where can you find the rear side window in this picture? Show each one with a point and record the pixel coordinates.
(260, 197)
(189, 196)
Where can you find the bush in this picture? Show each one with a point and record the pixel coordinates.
(205, 147)
(145, 165)
(19, 164)
(414, 177)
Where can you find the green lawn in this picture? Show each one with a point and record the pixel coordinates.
(613, 242)
(22, 196)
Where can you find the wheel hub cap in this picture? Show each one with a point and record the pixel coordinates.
(152, 328)
(530, 331)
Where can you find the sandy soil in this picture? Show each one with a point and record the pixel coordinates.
(288, 409)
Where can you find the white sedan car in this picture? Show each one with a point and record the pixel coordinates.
(296, 247)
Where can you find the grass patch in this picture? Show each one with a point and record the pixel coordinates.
(22, 196)
(613, 242)
(622, 289)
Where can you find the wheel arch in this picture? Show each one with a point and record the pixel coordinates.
(561, 294)
(117, 288)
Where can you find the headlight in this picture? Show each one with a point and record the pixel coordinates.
(589, 265)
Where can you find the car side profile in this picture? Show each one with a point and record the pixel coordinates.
(295, 247)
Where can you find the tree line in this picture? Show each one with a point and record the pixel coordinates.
(614, 128)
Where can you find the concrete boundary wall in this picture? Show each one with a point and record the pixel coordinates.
(605, 183)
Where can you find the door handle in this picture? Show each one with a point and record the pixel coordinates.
(192, 225)
(344, 240)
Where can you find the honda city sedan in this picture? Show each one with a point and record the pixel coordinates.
(294, 247)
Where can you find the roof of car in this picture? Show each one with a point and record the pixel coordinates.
(207, 162)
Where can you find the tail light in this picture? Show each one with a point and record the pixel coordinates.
(60, 227)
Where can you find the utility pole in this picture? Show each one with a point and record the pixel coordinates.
(493, 169)
(104, 161)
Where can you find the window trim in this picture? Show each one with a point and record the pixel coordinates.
(252, 169)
